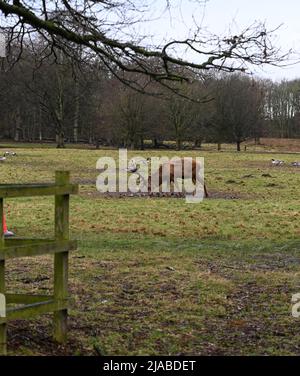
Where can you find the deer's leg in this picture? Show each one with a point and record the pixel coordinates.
(201, 181)
(177, 186)
(205, 190)
(194, 180)
(171, 189)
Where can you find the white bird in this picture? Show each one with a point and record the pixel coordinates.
(277, 162)
(133, 165)
(2, 159)
(295, 164)
(10, 153)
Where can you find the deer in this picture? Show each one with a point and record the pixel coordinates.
(173, 165)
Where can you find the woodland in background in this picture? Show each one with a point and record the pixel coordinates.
(56, 100)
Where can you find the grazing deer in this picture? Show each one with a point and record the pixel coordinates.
(174, 165)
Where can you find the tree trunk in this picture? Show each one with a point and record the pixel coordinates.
(60, 139)
(59, 111)
(154, 143)
(18, 125)
(219, 146)
(40, 125)
(142, 143)
(76, 113)
(17, 135)
(198, 143)
(238, 145)
(178, 144)
(91, 134)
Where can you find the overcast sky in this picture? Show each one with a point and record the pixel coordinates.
(218, 16)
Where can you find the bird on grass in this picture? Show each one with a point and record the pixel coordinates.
(295, 164)
(133, 165)
(10, 154)
(277, 162)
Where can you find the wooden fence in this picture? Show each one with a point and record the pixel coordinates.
(27, 306)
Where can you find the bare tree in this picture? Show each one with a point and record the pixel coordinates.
(96, 26)
(239, 108)
(130, 115)
(182, 113)
(282, 105)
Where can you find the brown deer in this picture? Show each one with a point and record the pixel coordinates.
(177, 164)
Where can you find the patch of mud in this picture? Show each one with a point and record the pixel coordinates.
(84, 181)
(212, 195)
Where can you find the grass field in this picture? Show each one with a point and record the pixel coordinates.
(159, 276)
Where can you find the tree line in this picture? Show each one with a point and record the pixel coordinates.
(57, 100)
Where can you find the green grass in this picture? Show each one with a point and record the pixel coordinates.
(159, 276)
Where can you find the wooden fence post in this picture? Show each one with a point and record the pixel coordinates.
(3, 326)
(61, 259)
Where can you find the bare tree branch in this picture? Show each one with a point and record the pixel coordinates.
(95, 26)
